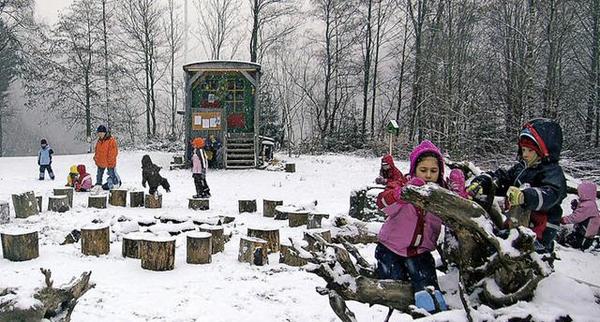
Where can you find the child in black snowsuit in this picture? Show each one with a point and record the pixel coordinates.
(536, 183)
(150, 174)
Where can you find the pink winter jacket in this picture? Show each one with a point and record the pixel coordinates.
(587, 208)
(199, 163)
(408, 230)
(456, 183)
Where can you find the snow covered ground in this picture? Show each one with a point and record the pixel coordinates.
(226, 290)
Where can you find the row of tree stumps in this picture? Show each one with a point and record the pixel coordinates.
(118, 198)
(260, 242)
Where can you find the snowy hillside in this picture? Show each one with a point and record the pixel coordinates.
(227, 290)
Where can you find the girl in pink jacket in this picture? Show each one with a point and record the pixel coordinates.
(199, 165)
(585, 216)
(409, 234)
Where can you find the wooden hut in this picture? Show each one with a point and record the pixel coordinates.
(221, 101)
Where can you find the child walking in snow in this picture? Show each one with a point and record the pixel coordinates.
(536, 182)
(45, 159)
(585, 216)
(410, 234)
(151, 175)
(199, 165)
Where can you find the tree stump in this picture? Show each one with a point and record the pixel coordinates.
(283, 212)
(20, 245)
(297, 219)
(198, 203)
(269, 207)
(324, 233)
(152, 201)
(253, 250)
(25, 204)
(314, 220)
(247, 205)
(39, 202)
(177, 159)
(271, 235)
(65, 192)
(289, 256)
(158, 253)
(131, 244)
(95, 239)
(98, 201)
(118, 197)
(4, 213)
(136, 199)
(290, 167)
(58, 203)
(199, 248)
(218, 239)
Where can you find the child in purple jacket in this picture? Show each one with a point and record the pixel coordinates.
(410, 234)
(585, 216)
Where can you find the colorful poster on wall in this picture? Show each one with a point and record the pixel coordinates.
(203, 121)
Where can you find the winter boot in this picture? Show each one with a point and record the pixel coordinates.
(430, 300)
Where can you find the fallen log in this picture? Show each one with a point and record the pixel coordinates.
(55, 304)
(500, 271)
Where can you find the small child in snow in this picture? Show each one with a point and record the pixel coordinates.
(389, 175)
(410, 234)
(151, 175)
(45, 159)
(199, 165)
(585, 216)
(84, 179)
(72, 176)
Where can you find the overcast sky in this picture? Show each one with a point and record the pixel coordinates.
(48, 9)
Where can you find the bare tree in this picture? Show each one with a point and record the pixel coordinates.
(269, 25)
(174, 37)
(140, 21)
(217, 20)
(67, 83)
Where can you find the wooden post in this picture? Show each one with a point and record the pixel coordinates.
(158, 253)
(198, 203)
(289, 256)
(247, 205)
(218, 240)
(58, 203)
(269, 207)
(297, 219)
(131, 245)
(271, 235)
(151, 201)
(25, 204)
(290, 167)
(95, 239)
(118, 197)
(325, 233)
(4, 213)
(253, 250)
(65, 192)
(314, 220)
(199, 248)
(39, 202)
(98, 201)
(20, 245)
(136, 199)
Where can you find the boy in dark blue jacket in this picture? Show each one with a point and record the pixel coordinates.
(45, 159)
(536, 182)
